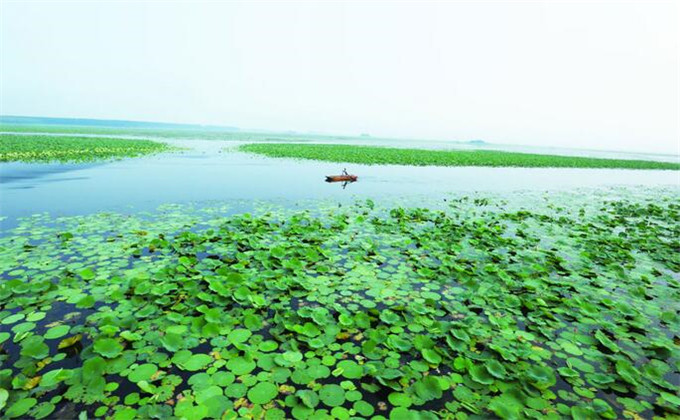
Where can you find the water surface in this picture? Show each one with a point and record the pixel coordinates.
(208, 172)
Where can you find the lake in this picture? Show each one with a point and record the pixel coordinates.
(214, 171)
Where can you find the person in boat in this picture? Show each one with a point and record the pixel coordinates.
(344, 172)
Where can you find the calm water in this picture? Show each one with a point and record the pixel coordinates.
(206, 173)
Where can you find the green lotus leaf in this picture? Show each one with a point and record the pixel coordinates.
(309, 329)
(389, 317)
(627, 372)
(236, 390)
(20, 407)
(403, 413)
(363, 408)
(480, 374)
(239, 336)
(461, 335)
(583, 413)
(599, 379)
(172, 342)
(332, 395)
(350, 369)
(4, 395)
(36, 316)
(130, 336)
(205, 394)
(86, 302)
(196, 362)
(241, 365)
(506, 407)
(431, 356)
(108, 347)
(87, 274)
(399, 343)
(23, 328)
(669, 399)
(400, 399)
(581, 365)
(262, 393)
(542, 377)
(13, 318)
(571, 348)
(278, 252)
(43, 410)
(146, 387)
(428, 388)
(605, 341)
(308, 397)
(496, 369)
(268, 346)
(34, 347)
(53, 377)
(142, 372)
(345, 320)
(57, 332)
(213, 315)
(126, 413)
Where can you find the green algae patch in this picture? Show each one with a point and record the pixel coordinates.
(371, 155)
(45, 148)
(551, 306)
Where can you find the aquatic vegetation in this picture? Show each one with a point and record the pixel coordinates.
(553, 306)
(371, 155)
(42, 148)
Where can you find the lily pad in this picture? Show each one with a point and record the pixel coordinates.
(332, 395)
(262, 393)
(107, 347)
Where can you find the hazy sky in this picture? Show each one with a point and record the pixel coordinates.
(588, 74)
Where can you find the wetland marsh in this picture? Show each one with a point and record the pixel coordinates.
(204, 282)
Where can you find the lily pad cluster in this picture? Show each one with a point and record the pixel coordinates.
(50, 148)
(377, 155)
(474, 309)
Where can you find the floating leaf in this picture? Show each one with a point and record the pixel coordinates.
(495, 369)
(57, 332)
(350, 369)
(431, 356)
(21, 407)
(541, 377)
(238, 336)
(428, 388)
(332, 395)
(70, 341)
(308, 397)
(107, 347)
(480, 374)
(262, 393)
(143, 372)
(34, 347)
(197, 362)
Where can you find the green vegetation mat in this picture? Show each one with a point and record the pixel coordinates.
(37, 148)
(371, 155)
(557, 306)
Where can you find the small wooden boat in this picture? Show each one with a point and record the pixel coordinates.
(341, 178)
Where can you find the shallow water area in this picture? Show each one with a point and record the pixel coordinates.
(213, 170)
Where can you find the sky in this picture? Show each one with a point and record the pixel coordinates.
(582, 74)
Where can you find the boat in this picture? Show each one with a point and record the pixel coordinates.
(341, 178)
